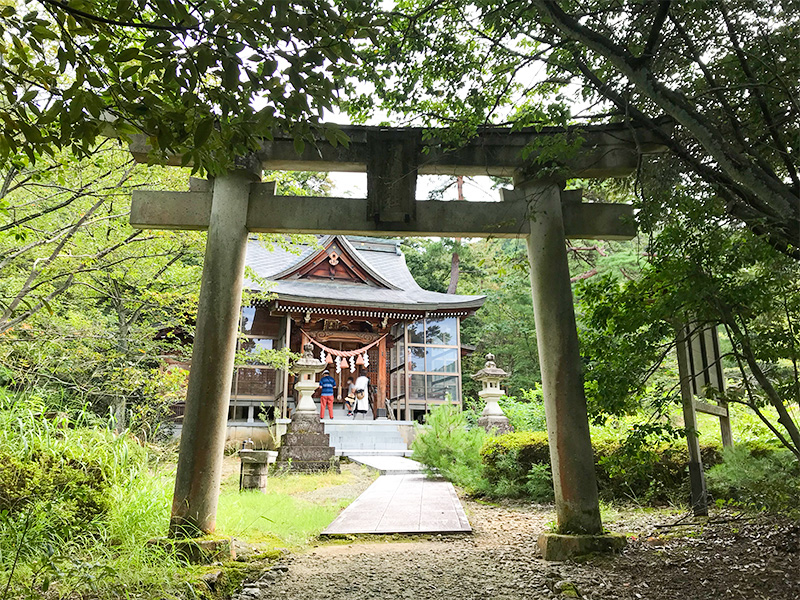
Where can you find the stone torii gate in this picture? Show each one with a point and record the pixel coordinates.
(538, 208)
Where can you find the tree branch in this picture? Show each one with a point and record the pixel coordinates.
(82, 15)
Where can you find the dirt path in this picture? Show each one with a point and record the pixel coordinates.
(750, 559)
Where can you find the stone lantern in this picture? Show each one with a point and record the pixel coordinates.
(492, 417)
(305, 369)
(305, 446)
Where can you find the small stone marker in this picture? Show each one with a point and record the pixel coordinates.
(255, 466)
(492, 417)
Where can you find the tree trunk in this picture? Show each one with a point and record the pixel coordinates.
(784, 418)
(454, 262)
(451, 289)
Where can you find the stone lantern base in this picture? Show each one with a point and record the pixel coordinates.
(497, 423)
(305, 447)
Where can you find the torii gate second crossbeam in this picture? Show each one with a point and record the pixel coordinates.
(538, 209)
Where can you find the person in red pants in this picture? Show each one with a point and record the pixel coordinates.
(327, 383)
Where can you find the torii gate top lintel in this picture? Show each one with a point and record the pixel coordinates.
(392, 159)
(599, 151)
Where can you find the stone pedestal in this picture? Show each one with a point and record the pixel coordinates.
(305, 447)
(498, 425)
(559, 547)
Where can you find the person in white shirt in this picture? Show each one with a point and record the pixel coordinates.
(362, 394)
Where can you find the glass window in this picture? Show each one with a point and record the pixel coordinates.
(252, 346)
(398, 379)
(443, 387)
(417, 385)
(442, 360)
(416, 332)
(442, 331)
(248, 318)
(257, 321)
(416, 358)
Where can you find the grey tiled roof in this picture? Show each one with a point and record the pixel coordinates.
(379, 257)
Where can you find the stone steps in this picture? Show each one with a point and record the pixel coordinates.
(365, 438)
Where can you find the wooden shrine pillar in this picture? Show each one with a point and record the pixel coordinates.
(194, 504)
(381, 399)
(571, 456)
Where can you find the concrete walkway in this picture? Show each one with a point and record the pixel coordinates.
(404, 502)
(389, 465)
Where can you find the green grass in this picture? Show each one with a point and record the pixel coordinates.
(78, 505)
(276, 519)
(279, 517)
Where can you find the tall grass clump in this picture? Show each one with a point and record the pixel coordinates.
(526, 413)
(448, 446)
(77, 503)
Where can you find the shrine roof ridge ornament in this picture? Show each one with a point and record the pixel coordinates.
(610, 150)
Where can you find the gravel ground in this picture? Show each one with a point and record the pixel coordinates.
(741, 558)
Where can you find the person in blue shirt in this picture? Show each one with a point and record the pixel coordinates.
(327, 383)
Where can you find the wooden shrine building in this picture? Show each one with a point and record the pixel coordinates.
(356, 301)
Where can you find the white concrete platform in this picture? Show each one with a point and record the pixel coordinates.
(368, 437)
(409, 504)
(389, 465)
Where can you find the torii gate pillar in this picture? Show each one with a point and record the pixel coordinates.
(194, 504)
(571, 455)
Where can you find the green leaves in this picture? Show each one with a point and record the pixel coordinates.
(166, 68)
(203, 131)
(127, 55)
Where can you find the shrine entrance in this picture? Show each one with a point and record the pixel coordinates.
(348, 353)
(539, 208)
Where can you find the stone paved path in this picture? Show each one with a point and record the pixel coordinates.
(410, 504)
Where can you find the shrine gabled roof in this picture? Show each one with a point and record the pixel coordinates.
(379, 276)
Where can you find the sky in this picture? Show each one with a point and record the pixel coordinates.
(476, 189)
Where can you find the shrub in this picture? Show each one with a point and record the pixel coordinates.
(757, 478)
(448, 446)
(526, 414)
(650, 465)
(518, 465)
